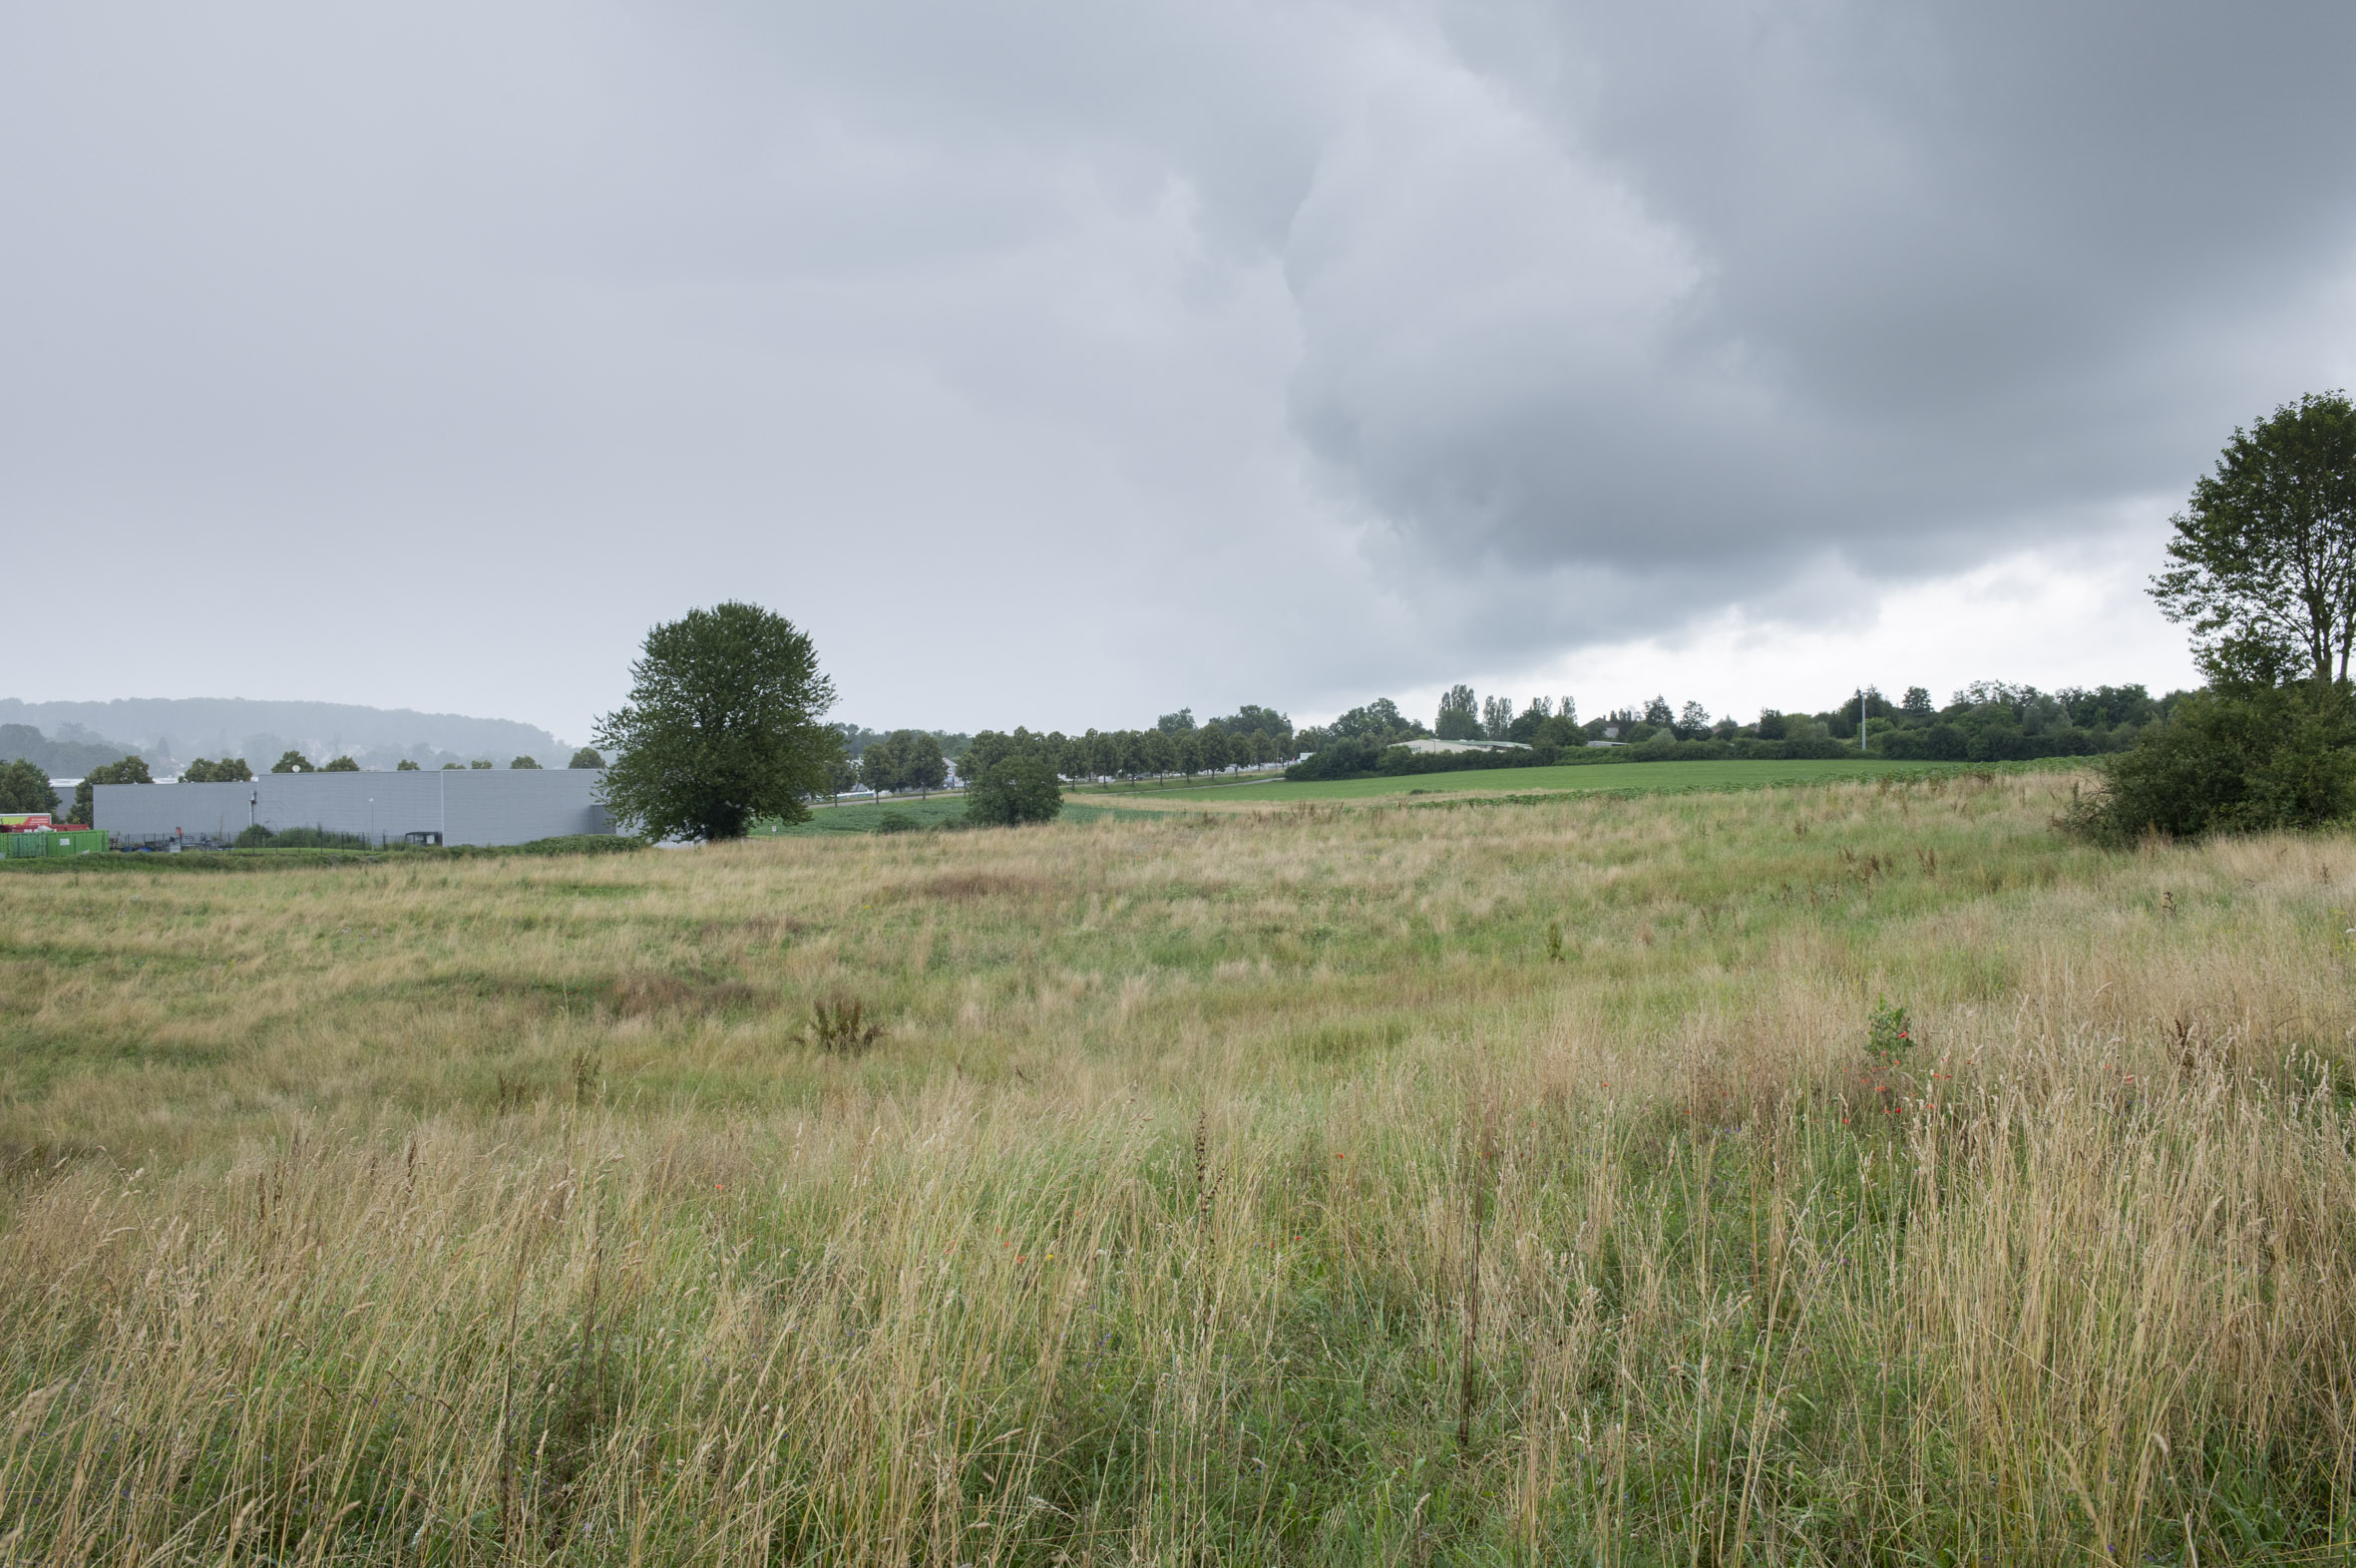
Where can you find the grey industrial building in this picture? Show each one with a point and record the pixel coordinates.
(453, 806)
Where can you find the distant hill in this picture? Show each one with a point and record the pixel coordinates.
(60, 759)
(170, 731)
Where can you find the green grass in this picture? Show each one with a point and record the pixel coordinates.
(1583, 778)
(940, 811)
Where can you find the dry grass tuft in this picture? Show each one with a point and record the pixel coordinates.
(981, 882)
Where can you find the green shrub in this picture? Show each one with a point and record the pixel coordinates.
(260, 837)
(2239, 761)
(1889, 1033)
(897, 822)
(1017, 789)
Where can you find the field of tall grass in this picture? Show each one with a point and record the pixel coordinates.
(1524, 1182)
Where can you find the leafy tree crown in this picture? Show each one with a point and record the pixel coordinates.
(2265, 552)
(1017, 789)
(24, 787)
(724, 726)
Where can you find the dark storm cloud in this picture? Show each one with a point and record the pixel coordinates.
(1896, 281)
(1151, 353)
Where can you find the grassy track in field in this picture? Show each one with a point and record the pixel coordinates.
(938, 811)
(1355, 1182)
(1649, 777)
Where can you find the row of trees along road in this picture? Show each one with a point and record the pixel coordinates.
(1252, 736)
(903, 760)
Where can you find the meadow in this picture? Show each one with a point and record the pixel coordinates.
(1853, 1172)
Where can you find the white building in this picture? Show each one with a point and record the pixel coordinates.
(453, 806)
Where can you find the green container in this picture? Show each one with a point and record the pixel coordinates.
(32, 846)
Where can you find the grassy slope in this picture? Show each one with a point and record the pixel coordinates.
(1641, 776)
(1250, 1186)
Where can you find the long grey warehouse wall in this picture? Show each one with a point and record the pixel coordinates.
(473, 806)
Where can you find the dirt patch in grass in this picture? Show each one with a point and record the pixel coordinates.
(978, 885)
(640, 996)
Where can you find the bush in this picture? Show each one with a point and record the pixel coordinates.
(2236, 761)
(1016, 790)
(1933, 744)
(897, 822)
(260, 837)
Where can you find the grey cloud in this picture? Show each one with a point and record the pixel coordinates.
(1947, 274)
(1059, 363)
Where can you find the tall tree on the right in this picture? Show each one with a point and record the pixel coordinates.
(2264, 575)
(2264, 553)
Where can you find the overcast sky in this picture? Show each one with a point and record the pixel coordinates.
(1062, 364)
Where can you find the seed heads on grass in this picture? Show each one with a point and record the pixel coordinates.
(1484, 1174)
(584, 1077)
(1202, 1167)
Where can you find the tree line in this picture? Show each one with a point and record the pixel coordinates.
(1252, 736)
(1987, 722)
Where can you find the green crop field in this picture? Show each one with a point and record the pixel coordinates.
(1850, 1173)
(1643, 776)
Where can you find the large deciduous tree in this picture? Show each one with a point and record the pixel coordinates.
(724, 726)
(922, 766)
(2265, 552)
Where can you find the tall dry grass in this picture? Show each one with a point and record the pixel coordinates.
(1244, 1186)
